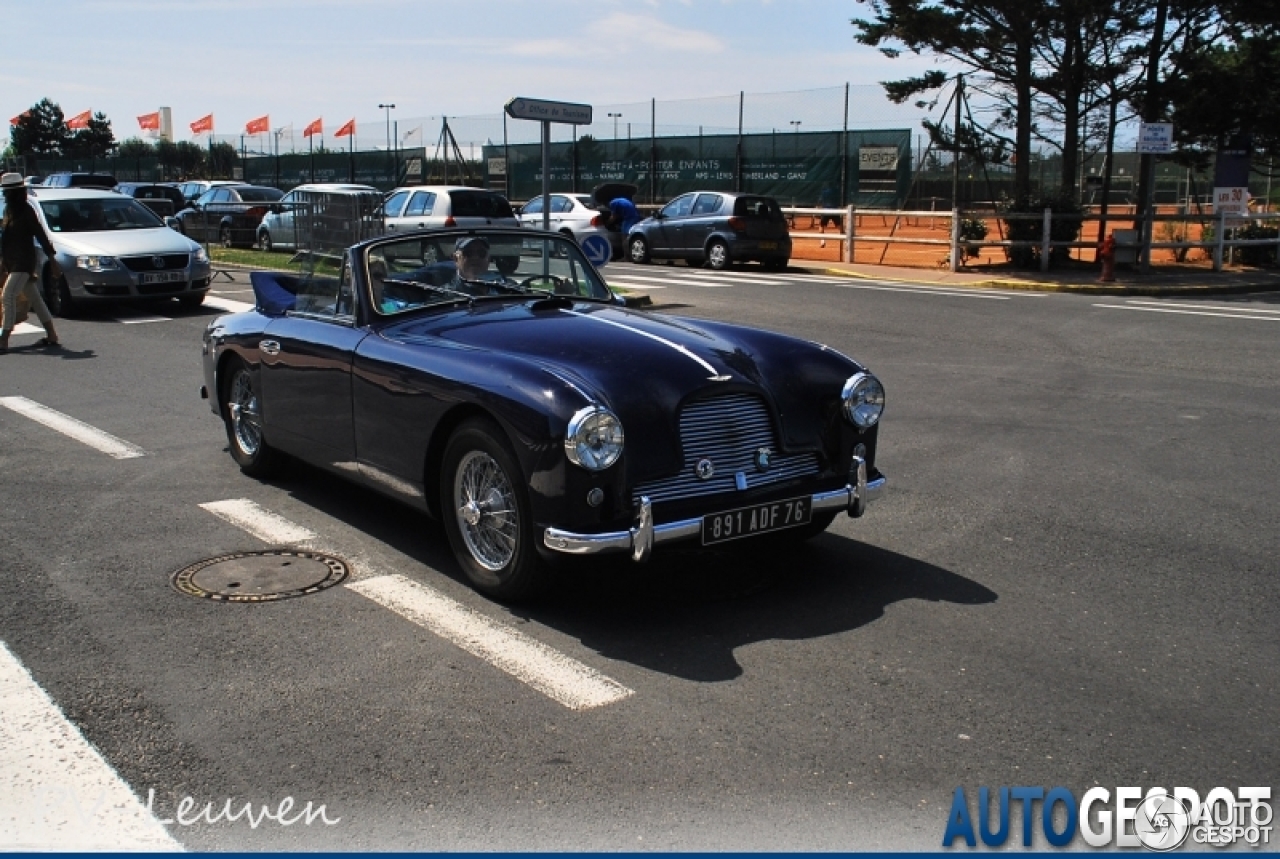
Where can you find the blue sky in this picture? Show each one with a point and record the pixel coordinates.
(297, 60)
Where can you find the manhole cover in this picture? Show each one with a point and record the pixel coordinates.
(275, 574)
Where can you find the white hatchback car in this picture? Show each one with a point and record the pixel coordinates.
(446, 206)
(574, 215)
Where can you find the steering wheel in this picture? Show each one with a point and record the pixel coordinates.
(560, 285)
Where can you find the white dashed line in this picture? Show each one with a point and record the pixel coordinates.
(59, 792)
(1190, 312)
(69, 426)
(560, 678)
(258, 521)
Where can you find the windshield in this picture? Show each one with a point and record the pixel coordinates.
(97, 214)
(406, 274)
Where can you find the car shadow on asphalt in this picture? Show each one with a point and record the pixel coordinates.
(686, 610)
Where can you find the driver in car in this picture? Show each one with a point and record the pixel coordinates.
(471, 256)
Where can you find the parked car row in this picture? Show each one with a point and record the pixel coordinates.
(714, 228)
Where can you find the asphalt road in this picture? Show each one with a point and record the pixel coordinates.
(1071, 580)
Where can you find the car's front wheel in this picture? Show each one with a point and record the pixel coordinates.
(57, 295)
(224, 236)
(242, 414)
(486, 513)
(638, 250)
(264, 241)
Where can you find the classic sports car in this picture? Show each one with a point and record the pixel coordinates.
(490, 378)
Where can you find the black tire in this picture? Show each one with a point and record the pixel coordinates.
(638, 250)
(264, 241)
(191, 301)
(242, 414)
(776, 264)
(224, 236)
(718, 255)
(485, 508)
(57, 295)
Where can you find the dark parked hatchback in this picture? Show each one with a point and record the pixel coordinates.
(159, 198)
(228, 214)
(716, 228)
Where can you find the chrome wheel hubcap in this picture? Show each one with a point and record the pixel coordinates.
(485, 505)
(242, 407)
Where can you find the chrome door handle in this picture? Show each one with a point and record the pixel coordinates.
(269, 347)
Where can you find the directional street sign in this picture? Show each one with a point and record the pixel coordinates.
(549, 111)
(597, 249)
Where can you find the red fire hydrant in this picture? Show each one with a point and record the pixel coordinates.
(1107, 253)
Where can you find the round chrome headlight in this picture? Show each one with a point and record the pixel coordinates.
(863, 397)
(594, 438)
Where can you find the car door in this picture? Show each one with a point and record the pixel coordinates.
(205, 216)
(284, 221)
(392, 209)
(306, 373)
(702, 221)
(667, 241)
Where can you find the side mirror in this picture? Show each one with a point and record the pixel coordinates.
(172, 223)
(658, 216)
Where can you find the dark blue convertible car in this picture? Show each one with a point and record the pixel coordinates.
(491, 378)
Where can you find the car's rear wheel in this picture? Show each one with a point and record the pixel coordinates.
(242, 414)
(638, 250)
(57, 295)
(264, 241)
(224, 236)
(486, 513)
(718, 255)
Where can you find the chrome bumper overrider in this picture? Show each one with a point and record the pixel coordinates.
(642, 537)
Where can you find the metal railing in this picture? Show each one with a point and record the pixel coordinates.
(1221, 233)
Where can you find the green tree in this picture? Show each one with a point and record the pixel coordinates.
(94, 141)
(222, 160)
(135, 147)
(40, 131)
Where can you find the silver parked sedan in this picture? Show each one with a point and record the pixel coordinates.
(112, 248)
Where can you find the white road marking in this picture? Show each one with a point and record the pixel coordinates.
(1190, 312)
(230, 305)
(69, 426)
(258, 521)
(140, 320)
(927, 290)
(643, 282)
(59, 792)
(1203, 306)
(560, 678)
(720, 279)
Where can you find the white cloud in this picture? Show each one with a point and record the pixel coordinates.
(623, 31)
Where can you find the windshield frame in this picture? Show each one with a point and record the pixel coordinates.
(410, 272)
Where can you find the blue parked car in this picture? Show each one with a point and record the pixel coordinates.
(717, 228)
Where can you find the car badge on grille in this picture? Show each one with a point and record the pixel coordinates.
(158, 262)
(763, 459)
(704, 469)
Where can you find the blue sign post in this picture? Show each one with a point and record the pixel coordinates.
(598, 250)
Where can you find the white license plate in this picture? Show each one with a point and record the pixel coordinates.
(757, 519)
(163, 277)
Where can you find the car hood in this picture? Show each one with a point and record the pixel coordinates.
(644, 366)
(160, 240)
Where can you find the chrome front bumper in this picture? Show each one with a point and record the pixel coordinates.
(640, 539)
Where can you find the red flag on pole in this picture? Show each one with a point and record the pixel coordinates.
(149, 121)
(316, 127)
(348, 129)
(80, 120)
(202, 125)
(261, 125)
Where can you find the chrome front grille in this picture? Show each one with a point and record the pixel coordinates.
(156, 262)
(728, 431)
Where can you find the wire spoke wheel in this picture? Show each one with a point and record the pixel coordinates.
(486, 510)
(245, 414)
